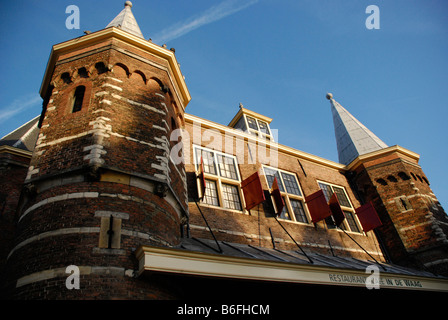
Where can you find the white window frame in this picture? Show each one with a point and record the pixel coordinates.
(288, 196)
(257, 131)
(220, 180)
(344, 208)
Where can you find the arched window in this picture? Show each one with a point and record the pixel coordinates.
(403, 176)
(391, 178)
(78, 97)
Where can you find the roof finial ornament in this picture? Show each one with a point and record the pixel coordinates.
(126, 21)
(241, 105)
(329, 96)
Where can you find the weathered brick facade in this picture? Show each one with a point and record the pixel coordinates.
(104, 180)
(415, 225)
(109, 159)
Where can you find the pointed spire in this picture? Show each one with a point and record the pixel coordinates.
(126, 21)
(352, 137)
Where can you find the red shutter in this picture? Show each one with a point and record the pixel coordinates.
(253, 191)
(201, 177)
(318, 206)
(278, 200)
(368, 217)
(336, 210)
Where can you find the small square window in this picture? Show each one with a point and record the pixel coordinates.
(299, 212)
(291, 184)
(263, 127)
(351, 221)
(231, 197)
(252, 123)
(285, 212)
(211, 193)
(342, 198)
(208, 159)
(227, 167)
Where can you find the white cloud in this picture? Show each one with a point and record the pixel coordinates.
(215, 13)
(18, 106)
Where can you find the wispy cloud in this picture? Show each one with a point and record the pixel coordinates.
(18, 106)
(215, 13)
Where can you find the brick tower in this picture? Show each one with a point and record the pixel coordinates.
(101, 181)
(415, 226)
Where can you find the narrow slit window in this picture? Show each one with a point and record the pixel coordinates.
(78, 98)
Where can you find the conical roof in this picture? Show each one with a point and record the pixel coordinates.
(125, 20)
(352, 137)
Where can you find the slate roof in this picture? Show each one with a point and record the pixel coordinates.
(352, 137)
(295, 256)
(24, 137)
(125, 20)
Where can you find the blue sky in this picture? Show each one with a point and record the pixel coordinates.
(277, 57)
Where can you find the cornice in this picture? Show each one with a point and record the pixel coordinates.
(281, 148)
(16, 151)
(130, 39)
(382, 153)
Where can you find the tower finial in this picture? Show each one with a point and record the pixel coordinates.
(329, 96)
(126, 21)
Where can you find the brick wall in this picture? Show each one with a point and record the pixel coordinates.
(13, 169)
(414, 223)
(253, 227)
(101, 179)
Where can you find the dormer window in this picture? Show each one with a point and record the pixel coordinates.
(252, 122)
(263, 127)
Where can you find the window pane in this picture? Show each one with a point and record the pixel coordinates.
(263, 127)
(227, 167)
(291, 184)
(342, 198)
(207, 157)
(351, 221)
(327, 190)
(270, 174)
(285, 213)
(211, 193)
(299, 213)
(252, 123)
(231, 197)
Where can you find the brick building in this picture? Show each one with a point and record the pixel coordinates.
(108, 185)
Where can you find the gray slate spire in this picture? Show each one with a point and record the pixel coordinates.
(126, 21)
(352, 137)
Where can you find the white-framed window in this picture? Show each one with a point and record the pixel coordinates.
(288, 184)
(257, 126)
(351, 221)
(222, 179)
